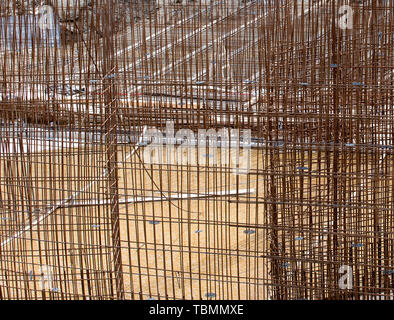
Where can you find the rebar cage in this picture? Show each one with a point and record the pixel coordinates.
(301, 91)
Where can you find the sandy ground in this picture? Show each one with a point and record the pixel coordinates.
(206, 248)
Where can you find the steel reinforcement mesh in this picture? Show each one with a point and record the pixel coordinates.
(196, 149)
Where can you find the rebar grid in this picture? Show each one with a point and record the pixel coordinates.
(84, 216)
